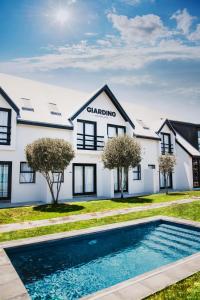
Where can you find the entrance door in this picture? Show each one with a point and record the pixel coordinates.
(117, 181)
(196, 172)
(84, 179)
(162, 181)
(5, 180)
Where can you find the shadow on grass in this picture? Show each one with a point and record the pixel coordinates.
(177, 194)
(133, 200)
(59, 208)
(141, 199)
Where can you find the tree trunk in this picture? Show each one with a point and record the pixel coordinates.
(50, 184)
(121, 182)
(167, 191)
(166, 183)
(58, 186)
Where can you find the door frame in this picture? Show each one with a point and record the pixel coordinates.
(171, 181)
(9, 163)
(118, 190)
(83, 179)
(198, 159)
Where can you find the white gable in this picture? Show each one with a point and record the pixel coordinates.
(101, 109)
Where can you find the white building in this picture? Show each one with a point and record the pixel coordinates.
(30, 110)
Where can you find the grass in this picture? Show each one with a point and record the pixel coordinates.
(187, 211)
(20, 214)
(187, 289)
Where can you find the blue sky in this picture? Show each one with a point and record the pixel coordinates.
(148, 51)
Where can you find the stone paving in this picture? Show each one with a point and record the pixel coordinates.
(89, 216)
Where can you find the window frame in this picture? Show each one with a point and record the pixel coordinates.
(26, 172)
(62, 178)
(198, 139)
(8, 133)
(116, 127)
(52, 111)
(83, 178)
(164, 145)
(138, 172)
(84, 136)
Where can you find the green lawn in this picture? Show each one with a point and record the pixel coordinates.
(187, 289)
(20, 214)
(187, 211)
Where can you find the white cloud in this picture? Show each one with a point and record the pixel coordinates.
(136, 2)
(91, 33)
(195, 35)
(132, 2)
(184, 20)
(114, 52)
(141, 29)
(95, 58)
(130, 80)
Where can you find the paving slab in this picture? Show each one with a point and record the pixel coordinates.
(90, 216)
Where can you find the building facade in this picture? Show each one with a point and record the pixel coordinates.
(31, 110)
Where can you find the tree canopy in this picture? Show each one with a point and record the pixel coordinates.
(49, 156)
(121, 152)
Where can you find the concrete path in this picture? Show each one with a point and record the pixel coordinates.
(89, 216)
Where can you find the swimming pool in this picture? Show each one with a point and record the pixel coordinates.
(78, 266)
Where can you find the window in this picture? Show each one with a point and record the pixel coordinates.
(115, 130)
(26, 104)
(87, 138)
(151, 167)
(166, 146)
(84, 179)
(144, 125)
(137, 173)
(54, 109)
(56, 177)
(5, 126)
(199, 140)
(27, 175)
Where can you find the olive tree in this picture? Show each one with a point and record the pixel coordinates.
(121, 152)
(49, 156)
(167, 163)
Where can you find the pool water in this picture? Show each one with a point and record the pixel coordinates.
(75, 267)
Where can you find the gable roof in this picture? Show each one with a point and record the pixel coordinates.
(167, 122)
(187, 146)
(113, 99)
(8, 100)
(69, 103)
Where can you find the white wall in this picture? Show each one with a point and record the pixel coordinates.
(183, 171)
(149, 183)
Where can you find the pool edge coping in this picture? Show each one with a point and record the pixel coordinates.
(141, 286)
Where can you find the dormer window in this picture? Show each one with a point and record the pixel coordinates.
(54, 109)
(5, 126)
(144, 126)
(26, 104)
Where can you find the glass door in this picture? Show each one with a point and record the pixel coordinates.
(5, 180)
(196, 172)
(84, 179)
(117, 181)
(162, 181)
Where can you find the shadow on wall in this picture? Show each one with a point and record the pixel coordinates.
(60, 208)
